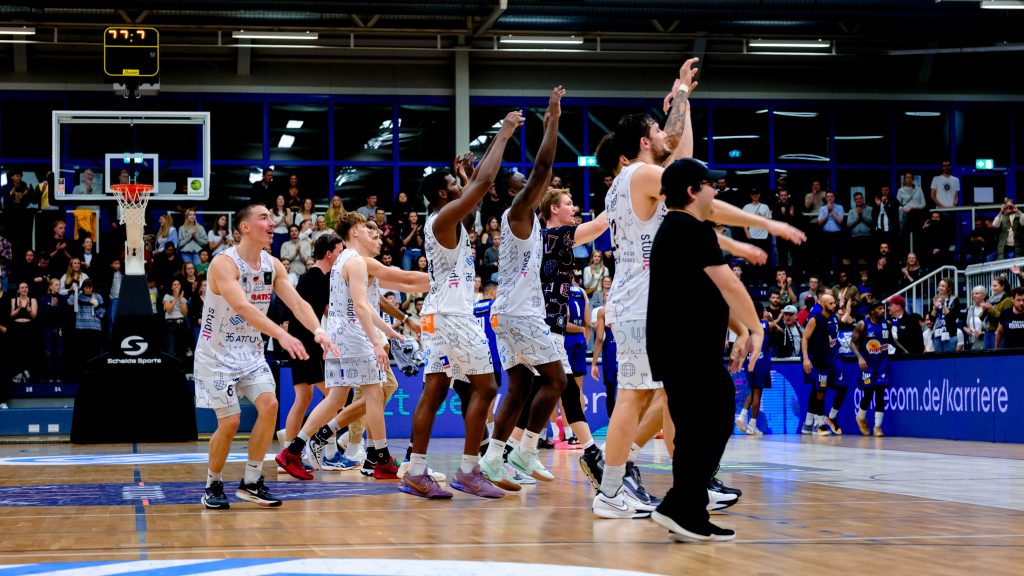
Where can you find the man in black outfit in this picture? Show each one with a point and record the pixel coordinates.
(906, 328)
(685, 256)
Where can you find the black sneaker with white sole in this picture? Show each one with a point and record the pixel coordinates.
(592, 465)
(716, 485)
(679, 531)
(718, 534)
(369, 463)
(214, 499)
(634, 484)
(258, 493)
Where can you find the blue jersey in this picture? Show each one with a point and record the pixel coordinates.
(577, 309)
(482, 311)
(823, 345)
(875, 346)
(764, 360)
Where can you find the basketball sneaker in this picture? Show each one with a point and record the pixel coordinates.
(315, 450)
(339, 462)
(214, 499)
(716, 485)
(622, 505)
(257, 492)
(292, 465)
(529, 464)
(545, 444)
(497, 474)
(474, 483)
(519, 477)
(281, 439)
(752, 430)
(437, 476)
(633, 484)
(368, 465)
(878, 432)
(720, 500)
(423, 486)
(863, 425)
(592, 465)
(682, 532)
(386, 470)
(741, 423)
(833, 426)
(824, 430)
(807, 429)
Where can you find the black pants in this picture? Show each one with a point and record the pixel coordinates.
(701, 403)
(570, 402)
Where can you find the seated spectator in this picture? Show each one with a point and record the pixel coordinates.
(812, 288)
(295, 251)
(166, 234)
(304, 213)
(191, 238)
(601, 296)
(845, 291)
(216, 236)
(320, 228)
(773, 311)
(784, 282)
(980, 246)
(370, 208)
(594, 273)
(1010, 333)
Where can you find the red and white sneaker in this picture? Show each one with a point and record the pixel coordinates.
(292, 465)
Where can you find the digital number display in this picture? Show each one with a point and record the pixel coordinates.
(131, 52)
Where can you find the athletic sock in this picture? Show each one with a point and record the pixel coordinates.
(878, 419)
(495, 450)
(862, 414)
(253, 471)
(383, 454)
(569, 433)
(469, 462)
(490, 428)
(417, 464)
(212, 477)
(408, 453)
(634, 451)
(833, 413)
(611, 481)
(299, 443)
(588, 443)
(809, 419)
(529, 442)
(592, 450)
(743, 414)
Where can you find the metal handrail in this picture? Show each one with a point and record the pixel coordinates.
(919, 292)
(983, 274)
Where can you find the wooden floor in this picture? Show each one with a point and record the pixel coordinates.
(810, 506)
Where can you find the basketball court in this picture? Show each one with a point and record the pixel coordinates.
(810, 505)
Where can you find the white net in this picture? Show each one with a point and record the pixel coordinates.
(132, 199)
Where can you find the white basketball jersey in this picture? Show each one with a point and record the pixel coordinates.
(227, 343)
(451, 273)
(632, 239)
(343, 325)
(373, 295)
(519, 292)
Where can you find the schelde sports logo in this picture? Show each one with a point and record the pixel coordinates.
(134, 346)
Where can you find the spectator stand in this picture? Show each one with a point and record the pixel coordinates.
(919, 294)
(961, 220)
(982, 274)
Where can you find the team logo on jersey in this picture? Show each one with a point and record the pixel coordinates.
(235, 320)
(874, 346)
(646, 242)
(268, 277)
(445, 363)
(261, 297)
(427, 323)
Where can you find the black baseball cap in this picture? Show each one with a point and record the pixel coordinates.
(686, 172)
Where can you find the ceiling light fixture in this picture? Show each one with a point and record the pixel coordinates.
(294, 124)
(573, 40)
(286, 141)
(263, 35)
(17, 30)
(804, 44)
(1002, 4)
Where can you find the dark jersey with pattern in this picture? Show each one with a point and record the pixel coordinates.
(556, 271)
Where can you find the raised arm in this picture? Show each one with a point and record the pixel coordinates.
(678, 131)
(725, 213)
(589, 231)
(524, 205)
(449, 216)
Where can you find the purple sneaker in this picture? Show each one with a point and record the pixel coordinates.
(474, 483)
(423, 486)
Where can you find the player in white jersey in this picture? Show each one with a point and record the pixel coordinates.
(634, 212)
(456, 346)
(525, 342)
(229, 359)
(363, 362)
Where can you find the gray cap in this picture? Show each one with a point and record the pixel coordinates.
(789, 309)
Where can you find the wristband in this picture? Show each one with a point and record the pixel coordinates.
(405, 318)
(685, 90)
(319, 331)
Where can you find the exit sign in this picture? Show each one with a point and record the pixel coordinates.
(984, 164)
(586, 160)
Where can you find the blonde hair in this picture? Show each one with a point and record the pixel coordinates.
(551, 198)
(166, 223)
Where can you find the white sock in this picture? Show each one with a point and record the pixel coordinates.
(212, 477)
(253, 471)
(588, 443)
(634, 451)
(809, 419)
(417, 464)
(333, 425)
(569, 433)
(862, 414)
(495, 450)
(353, 450)
(833, 413)
(469, 462)
(490, 428)
(512, 442)
(611, 482)
(380, 444)
(529, 441)
(303, 436)
(343, 441)
(878, 419)
(371, 443)
(743, 414)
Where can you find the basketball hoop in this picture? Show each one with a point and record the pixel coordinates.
(132, 198)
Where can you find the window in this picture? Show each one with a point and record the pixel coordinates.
(603, 119)
(236, 130)
(922, 137)
(426, 133)
(570, 133)
(298, 132)
(801, 136)
(230, 186)
(739, 136)
(354, 183)
(312, 181)
(25, 127)
(363, 132)
(484, 122)
(869, 182)
(982, 133)
(862, 135)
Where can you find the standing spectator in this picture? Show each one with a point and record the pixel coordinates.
(1010, 333)
(886, 274)
(489, 270)
(294, 199)
(204, 262)
(412, 240)
(830, 219)
(20, 202)
(974, 319)
(87, 337)
(165, 266)
(813, 281)
(491, 228)
(726, 193)
(7, 263)
(304, 213)
(195, 311)
(400, 210)
(41, 274)
(334, 212)
(788, 338)
(758, 236)
(22, 332)
(601, 295)
(1008, 225)
(887, 217)
(906, 328)
(492, 205)
(53, 318)
(981, 242)
(784, 282)
(594, 273)
(218, 234)
(911, 199)
(946, 187)
(370, 209)
(89, 255)
(189, 280)
(282, 217)
(58, 248)
(191, 238)
(785, 211)
(913, 271)
(860, 223)
(946, 317)
(815, 199)
(263, 191)
(175, 312)
(773, 312)
(114, 296)
(998, 302)
(936, 241)
(296, 251)
(166, 234)
(72, 280)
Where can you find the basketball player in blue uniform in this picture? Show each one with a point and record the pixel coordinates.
(874, 335)
(757, 380)
(821, 360)
(482, 312)
(604, 347)
(576, 330)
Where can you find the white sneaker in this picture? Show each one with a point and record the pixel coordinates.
(529, 464)
(4, 406)
(519, 477)
(752, 430)
(434, 475)
(343, 441)
(720, 500)
(741, 424)
(619, 506)
(309, 460)
(494, 470)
